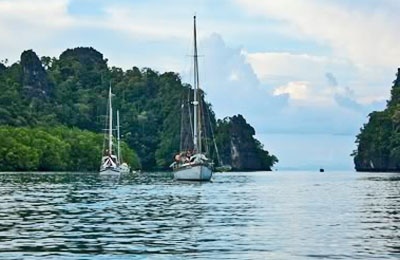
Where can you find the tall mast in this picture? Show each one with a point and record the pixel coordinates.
(118, 140)
(110, 122)
(197, 147)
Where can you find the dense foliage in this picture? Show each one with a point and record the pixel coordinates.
(71, 91)
(379, 140)
(54, 149)
(239, 148)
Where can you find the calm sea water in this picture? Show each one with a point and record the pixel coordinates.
(261, 215)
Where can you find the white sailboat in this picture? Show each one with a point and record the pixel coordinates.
(194, 165)
(109, 161)
(122, 166)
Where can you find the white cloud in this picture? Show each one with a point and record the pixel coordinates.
(368, 84)
(295, 106)
(128, 35)
(364, 36)
(302, 93)
(43, 13)
(297, 90)
(28, 24)
(136, 23)
(271, 66)
(276, 67)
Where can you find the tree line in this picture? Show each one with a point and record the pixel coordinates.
(54, 149)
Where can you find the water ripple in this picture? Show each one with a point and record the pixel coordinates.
(264, 215)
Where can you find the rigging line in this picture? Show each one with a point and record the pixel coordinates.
(105, 138)
(196, 125)
(213, 138)
(202, 107)
(189, 111)
(182, 133)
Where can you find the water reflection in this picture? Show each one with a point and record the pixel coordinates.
(92, 215)
(380, 213)
(237, 216)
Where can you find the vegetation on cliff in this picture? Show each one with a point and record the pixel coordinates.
(239, 148)
(378, 143)
(45, 93)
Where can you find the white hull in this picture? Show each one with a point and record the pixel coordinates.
(109, 171)
(200, 172)
(124, 169)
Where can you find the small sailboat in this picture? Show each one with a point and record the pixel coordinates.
(109, 161)
(223, 168)
(192, 164)
(123, 166)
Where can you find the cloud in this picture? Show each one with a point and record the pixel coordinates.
(344, 97)
(281, 70)
(34, 25)
(46, 14)
(127, 34)
(366, 36)
(271, 66)
(302, 93)
(331, 79)
(295, 106)
(228, 79)
(136, 23)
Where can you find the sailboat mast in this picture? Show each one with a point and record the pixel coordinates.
(195, 89)
(118, 139)
(110, 123)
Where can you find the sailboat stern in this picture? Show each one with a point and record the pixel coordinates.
(195, 172)
(109, 166)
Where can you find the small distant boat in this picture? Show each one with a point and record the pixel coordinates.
(109, 161)
(124, 168)
(223, 168)
(321, 170)
(192, 164)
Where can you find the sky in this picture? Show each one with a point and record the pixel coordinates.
(304, 73)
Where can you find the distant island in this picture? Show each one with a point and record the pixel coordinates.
(52, 115)
(378, 143)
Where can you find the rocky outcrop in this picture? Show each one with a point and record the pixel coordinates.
(379, 140)
(240, 149)
(34, 77)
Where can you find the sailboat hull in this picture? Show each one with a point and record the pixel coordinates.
(109, 171)
(124, 168)
(199, 172)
